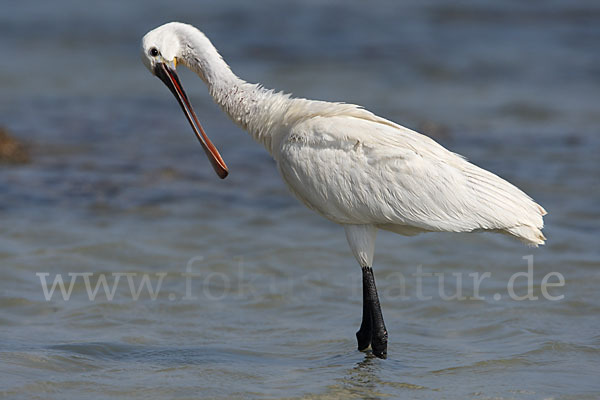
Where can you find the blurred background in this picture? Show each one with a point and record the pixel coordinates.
(101, 174)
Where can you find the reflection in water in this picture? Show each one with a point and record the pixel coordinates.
(368, 380)
(361, 379)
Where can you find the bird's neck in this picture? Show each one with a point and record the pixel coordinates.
(259, 111)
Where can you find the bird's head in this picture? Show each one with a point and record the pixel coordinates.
(161, 45)
(161, 48)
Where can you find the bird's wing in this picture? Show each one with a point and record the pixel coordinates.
(362, 169)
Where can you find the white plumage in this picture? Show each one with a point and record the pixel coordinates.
(351, 166)
(365, 170)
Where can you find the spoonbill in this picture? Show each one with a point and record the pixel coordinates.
(347, 164)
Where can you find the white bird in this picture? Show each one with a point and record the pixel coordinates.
(349, 165)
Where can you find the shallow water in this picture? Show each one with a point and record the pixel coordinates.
(258, 297)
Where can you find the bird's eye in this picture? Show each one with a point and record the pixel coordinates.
(153, 52)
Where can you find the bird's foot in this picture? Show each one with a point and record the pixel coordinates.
(379, 344)
(376, 341)
(364, 340)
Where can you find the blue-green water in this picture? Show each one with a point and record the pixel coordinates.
(259, 297)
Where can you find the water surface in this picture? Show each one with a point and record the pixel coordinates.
(259, 297)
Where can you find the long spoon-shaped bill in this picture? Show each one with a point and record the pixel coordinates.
(170, 78)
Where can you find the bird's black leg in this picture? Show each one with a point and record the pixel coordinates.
(372, 332)
(379, 335)
(365, 332)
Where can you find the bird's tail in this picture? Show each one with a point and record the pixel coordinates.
(529, 234)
